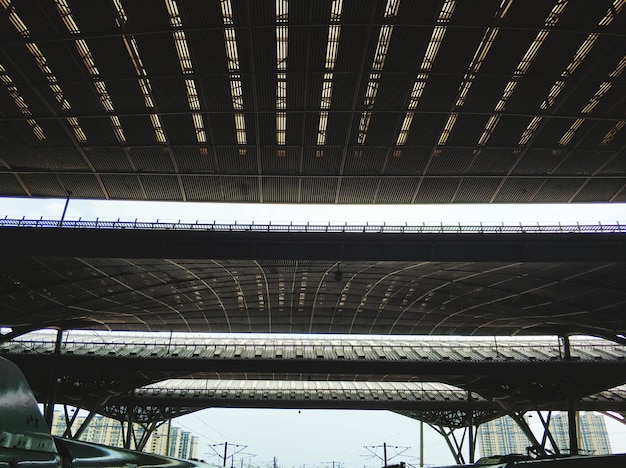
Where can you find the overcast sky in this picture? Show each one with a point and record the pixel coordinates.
(316, 438)
(320, 437)
(352, 214)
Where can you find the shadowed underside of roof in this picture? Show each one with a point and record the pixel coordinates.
(358, 283)
(368, 101)
(156, 375)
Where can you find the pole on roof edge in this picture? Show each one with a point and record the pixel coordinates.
(67, 201)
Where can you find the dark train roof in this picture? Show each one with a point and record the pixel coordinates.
(349, 101)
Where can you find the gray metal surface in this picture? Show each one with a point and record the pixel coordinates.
(156, 375)
(511, 105)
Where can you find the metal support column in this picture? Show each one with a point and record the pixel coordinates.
(470, 429)
(572, 423)
(523, 425)
(52, 384)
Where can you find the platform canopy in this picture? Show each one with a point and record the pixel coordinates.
(342, 101)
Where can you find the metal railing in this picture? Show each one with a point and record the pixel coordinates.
(300, 227)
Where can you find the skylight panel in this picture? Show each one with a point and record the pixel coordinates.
(172, 9)
(78, 132)
(142, 77)
(612, 12)
(88, 60)
(192, 94)
(334, 33)
(36, 129)
(430, 55)
(184, 58)
(447, 129)
(282, 42)
(582, 53)
(199, 124)
(15, 20)
(378, 62)
(44, 67)
(560, 84)
(20, 102)
(530, 130)
(117, 128)
(158, 128)
(608, 138)
(472, 70)
(236, 88)
(66, 16)
(42, 63)
(522, 68)
(604, 87)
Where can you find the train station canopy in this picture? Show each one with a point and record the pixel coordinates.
(342, 101)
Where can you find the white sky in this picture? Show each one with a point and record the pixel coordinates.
(320, 437)
(315, 214)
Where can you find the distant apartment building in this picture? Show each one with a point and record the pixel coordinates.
(592, 436)
(503, 435)
(107, 431)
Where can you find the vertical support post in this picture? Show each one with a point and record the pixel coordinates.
(226, 451)
(169, 435)
(572, 424)
(52, 384)
(470, 428)
(129, 429)
(567, 351)
(421, 443)
(385, 453)
(67, 201)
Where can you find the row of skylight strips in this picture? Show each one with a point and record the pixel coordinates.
(471, 73)
(184, 57)
(378, 62)
(236, 88)
(21, 103)
(427, 62)
(604, 87)
(42, 63)
(142, 75)
(578, 58)
(522, 68)
(282, 43)
(334, 33)
(85, 53)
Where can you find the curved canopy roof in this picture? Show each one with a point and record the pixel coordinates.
(353, 101)
(388, 283)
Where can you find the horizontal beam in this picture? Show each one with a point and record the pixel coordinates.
(481, 247)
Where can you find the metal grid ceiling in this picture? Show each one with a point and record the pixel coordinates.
(516, 104)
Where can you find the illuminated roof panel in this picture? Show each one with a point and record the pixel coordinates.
(493, 60)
